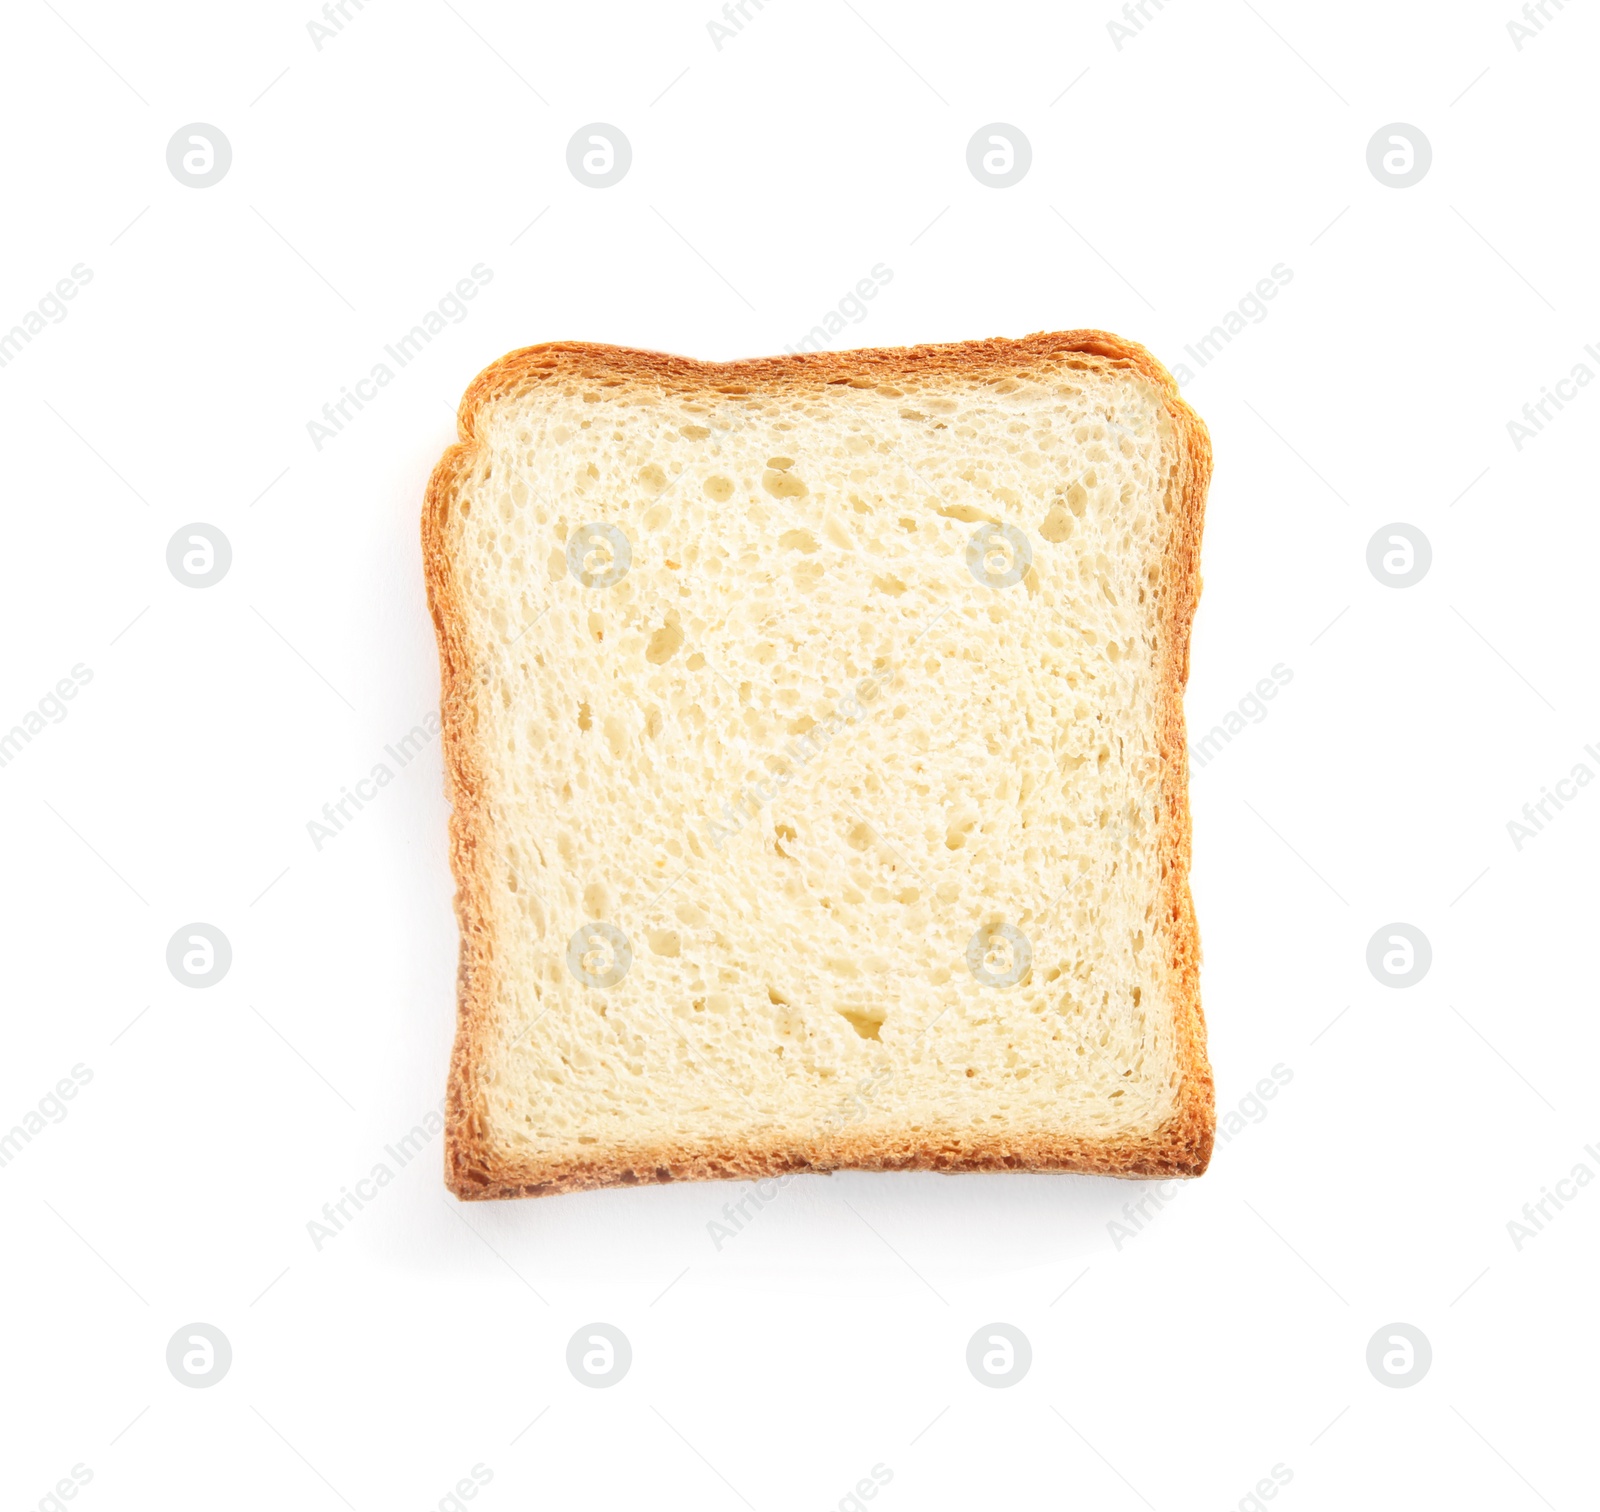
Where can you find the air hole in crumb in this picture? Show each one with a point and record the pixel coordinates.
(865, 1022)
(663, 644)
(782, 484)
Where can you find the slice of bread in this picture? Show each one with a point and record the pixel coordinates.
(814, 730)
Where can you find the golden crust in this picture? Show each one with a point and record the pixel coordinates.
(474, 1167)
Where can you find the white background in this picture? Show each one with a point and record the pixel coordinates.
(769, 176)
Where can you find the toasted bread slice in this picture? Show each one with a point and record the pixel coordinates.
(814, 731)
